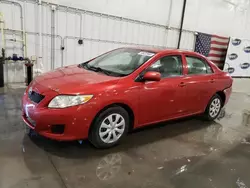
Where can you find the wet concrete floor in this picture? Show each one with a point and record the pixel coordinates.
(187, 153)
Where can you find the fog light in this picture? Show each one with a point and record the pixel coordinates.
(57, 129)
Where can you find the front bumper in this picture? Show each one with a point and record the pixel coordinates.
(76, 120)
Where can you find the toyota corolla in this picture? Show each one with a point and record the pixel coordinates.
(124, 89)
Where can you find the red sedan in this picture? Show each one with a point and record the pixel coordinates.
(124, 89)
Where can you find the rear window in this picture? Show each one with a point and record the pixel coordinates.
(198, 66)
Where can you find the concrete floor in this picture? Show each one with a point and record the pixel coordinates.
(187, 153)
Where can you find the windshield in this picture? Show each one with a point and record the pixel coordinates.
(120, 62)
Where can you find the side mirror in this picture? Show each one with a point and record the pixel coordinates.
(152, 76)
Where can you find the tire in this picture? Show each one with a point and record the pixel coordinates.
(215, 103)
(104, 134)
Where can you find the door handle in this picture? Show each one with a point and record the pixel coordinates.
(212, 81)
(182, 84)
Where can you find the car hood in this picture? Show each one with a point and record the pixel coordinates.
(73, 79)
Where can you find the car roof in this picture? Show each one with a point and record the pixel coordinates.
(164, 49)
(169, 50)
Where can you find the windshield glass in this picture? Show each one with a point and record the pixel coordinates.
(122, 61)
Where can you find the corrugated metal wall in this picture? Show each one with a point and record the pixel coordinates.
(99, 32)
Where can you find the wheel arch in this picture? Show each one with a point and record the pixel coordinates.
(222, 96)
(122, 105)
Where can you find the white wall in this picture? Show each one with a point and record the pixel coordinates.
(219, 17)
(222, 17)
(144, 10)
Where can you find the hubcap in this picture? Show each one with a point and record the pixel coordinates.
(112, 128)
(214, 108)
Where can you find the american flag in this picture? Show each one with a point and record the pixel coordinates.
(212, 46)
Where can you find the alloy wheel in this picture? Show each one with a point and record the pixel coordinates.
(214, 108)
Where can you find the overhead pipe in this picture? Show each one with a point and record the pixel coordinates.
(23, 40)
(2, 27)
(76, 12)
(182, 21)
(195, 39)
(169, 20)
(29, 70)
(22, 22)
(31, 33)
(82, 11)
(170, 13)
(2, 60)
(2, 57)
(40, 51)
(35, 34)
(80, 14)
(63, 7)
(53, 8)
(71, 9)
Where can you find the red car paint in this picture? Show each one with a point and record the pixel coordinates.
(150, 102)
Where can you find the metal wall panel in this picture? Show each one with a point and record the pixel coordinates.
(99, 32)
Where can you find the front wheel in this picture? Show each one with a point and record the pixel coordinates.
(109, 127)
(213, 108)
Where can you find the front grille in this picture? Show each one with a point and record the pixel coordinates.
(35, 97)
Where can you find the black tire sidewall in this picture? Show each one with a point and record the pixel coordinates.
(94, 136)
(207, 114)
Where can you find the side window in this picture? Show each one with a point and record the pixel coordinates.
(198, 66)
(168, 66)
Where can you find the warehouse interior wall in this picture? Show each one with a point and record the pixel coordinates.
(107, 24)
(223, 17)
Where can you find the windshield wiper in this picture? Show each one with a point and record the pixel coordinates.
(96, 69)
(99, 69)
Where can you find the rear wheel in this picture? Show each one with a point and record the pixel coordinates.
(213, 108)
(109, 127)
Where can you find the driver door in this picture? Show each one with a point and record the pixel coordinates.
(165, 99)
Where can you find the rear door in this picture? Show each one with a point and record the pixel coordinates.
(199, 82)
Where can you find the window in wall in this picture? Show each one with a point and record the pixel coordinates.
(168, 66)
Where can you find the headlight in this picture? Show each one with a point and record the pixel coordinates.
(63, 101)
